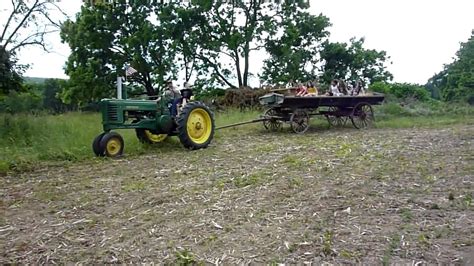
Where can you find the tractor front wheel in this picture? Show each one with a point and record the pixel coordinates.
(96, 145)
(195, 126)
(112, 144)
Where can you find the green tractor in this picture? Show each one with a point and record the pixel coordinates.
(152, 122)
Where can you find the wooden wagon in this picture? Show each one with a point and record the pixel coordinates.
(339, 109)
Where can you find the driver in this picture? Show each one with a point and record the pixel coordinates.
(174, 97)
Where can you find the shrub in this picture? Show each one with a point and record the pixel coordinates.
(381, 87)
(404, 91)
(20, 102)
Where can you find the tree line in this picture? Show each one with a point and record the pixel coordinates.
(212, 42)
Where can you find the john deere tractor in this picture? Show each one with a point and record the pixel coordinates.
(152, 122)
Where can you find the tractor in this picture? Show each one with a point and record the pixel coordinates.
(153, 122)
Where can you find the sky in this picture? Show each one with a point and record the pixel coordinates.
(420, 36)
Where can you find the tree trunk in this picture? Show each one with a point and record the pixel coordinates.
(246, 67)
(150, 91)
(237, 65)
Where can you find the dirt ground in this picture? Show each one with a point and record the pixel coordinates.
(338, 196)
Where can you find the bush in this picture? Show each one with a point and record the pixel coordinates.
(381, 87)
(403, 91)
(403, 108)
(20, 102)
(407, 91)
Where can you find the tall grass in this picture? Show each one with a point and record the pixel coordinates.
(28, 139)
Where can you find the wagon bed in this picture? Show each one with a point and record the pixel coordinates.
(297, 110)
(281, 101)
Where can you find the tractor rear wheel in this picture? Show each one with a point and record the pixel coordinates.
(195, 126)
(112, 144)
(147, 136)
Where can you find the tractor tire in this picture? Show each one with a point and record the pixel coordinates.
(96, 145)
(112, 144)
(195, 126)
(147, 136)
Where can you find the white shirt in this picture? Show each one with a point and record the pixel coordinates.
(335, 91)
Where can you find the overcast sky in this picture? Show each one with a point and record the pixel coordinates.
(419, 35)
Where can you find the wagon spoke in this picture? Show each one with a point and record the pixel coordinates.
(335, 117)
(362, 116)
(299, 121)
(271, 123)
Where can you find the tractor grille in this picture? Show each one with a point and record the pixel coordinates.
(112, 113)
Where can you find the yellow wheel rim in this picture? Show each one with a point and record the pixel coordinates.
(155, 138)
(199, 125)
(113, 147)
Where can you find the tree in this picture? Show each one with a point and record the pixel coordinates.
(353, 62)
(51, 90)
(26, 25)
(294, 44)
(106, 36)
(230, 32)
(456, 81)
(10, 75)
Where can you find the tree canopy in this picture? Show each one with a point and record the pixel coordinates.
(27, 24)
(456, 81)
(212, 41)
(294, 44)
(103, 38)
(353, 62)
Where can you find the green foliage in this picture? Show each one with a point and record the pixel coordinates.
(27, 139)
(209, 94)
(10, 73)
(105, 37)
(381, 87)
(35, 97)
(353, 62)
(25, 24)
(294, 52)
(456, 81)
(20, 102)
(185, 257)
(232, 30)
(434, 108)
(404, 91)
(51, 92)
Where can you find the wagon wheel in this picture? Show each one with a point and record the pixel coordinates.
(299, 121)
(336, 120)
(271, 124)
(362, 116)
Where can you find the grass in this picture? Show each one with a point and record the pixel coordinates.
(331, 196)
(26, 139)
(394, 243)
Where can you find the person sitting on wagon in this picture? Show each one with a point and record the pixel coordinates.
(359, 88)
(312, 90)
(334, 88)
(302, 90)
(341, 85)
(350, 89)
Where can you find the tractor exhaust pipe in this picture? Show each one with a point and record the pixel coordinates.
(119, 88)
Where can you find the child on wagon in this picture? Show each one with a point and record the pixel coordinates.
(302, 90)
(334, 88)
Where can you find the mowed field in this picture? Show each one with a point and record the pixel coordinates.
(330, 195)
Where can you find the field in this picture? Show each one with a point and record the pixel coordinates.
(398, 193)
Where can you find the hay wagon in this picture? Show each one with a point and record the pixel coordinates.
(337, 109)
